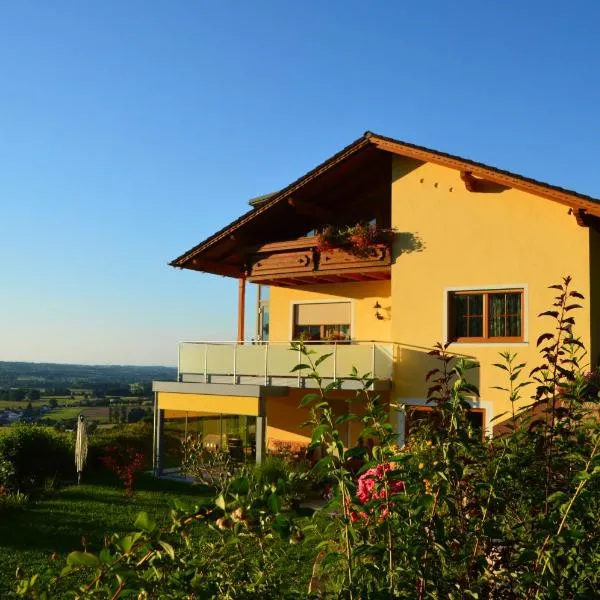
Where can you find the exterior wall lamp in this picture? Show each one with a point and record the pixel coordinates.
(377, 308)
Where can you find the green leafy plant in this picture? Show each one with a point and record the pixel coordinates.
(452, 514)
(210, 467)
(36, 453)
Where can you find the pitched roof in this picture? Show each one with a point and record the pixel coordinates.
(582, 204)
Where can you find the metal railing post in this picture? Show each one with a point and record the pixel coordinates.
(334, 362)
(299, 370)
(179, 362)
(266, 364)
(235, 363)
(205, 363)
(373, 361)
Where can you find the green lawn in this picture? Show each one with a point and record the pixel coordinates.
(93, 413)
(30, 536)
(65, 413)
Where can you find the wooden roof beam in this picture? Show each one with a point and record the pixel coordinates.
(210, 266)
(313, 211)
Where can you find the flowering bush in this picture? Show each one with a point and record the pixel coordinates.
(374, 485)
(451, 515)
(125, 462)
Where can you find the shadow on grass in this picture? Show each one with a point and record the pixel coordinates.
(148, 483)
(93, 510)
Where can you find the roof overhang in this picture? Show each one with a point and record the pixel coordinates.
(217, 254)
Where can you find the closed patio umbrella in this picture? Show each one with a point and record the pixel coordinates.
(81, 446)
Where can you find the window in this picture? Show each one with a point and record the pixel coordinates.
(486, 316)
(322, 321)
(414, 414)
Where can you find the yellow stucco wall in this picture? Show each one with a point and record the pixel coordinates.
(446, 237)
(461, 238)
(365, 326)
(285, 416)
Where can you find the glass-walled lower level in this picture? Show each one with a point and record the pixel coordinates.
(234, 433)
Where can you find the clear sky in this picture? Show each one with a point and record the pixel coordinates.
(131, 130)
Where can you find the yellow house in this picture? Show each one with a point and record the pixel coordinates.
(449, 250)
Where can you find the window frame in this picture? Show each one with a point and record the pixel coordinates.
(486, 292)
(322, 337)
(293, 324)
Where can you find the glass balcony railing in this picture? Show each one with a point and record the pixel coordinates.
(270, 363)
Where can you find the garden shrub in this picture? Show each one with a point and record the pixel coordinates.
(137, 436)
(36, 454)
(125, 462)
(271, 470)
(450, 515)
(12, 500)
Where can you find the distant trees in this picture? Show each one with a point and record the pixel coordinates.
(57, 391)
(19, 394)
(33, 395)
(135, 415)
(16, 394)
(112, 389)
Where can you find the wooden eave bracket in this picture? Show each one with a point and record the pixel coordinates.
(581, 217)
(585, 219)
(471, 183)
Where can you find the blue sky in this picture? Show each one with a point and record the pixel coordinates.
(131, 130)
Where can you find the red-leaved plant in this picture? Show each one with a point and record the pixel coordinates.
(125, 462)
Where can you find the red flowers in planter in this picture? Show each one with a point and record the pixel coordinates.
(359, 239)
(125, 462)
(363, 237)
(328, 238)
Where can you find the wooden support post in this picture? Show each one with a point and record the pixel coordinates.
(260, 439)
(241, 308)
(261, 431)
(159, 450)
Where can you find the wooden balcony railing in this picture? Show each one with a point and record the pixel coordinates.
(300, 262)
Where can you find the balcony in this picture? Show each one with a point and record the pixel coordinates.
(271, 364)
(299, 262)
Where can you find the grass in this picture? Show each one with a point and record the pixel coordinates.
(59, 523)
(61, 414)
(94, 413)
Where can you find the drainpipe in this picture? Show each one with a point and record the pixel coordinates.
(241, 308)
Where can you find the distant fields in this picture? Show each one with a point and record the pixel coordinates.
(22, 405)
(96, 413)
